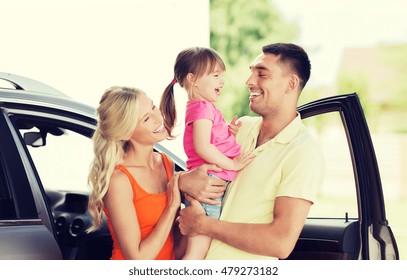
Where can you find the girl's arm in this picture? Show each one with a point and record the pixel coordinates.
(119, 202)
(201, 132)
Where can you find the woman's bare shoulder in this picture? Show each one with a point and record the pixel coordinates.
(119, 183)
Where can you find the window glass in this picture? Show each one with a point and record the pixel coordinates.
(337, 196)
(6, 84)
(63, 163)
(7, 210)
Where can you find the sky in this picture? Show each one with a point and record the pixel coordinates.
(327, 27)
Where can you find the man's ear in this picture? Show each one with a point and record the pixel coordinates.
(294, 82)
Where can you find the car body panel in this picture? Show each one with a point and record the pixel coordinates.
(27, 241)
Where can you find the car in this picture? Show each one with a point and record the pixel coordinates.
(46, 149)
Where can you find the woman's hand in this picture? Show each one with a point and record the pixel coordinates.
(173, 193)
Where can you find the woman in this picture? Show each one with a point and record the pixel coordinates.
(133, 185)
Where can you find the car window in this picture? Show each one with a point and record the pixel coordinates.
(337, 197)
(63, 163)
(6, 84)
(7, 210)
(63, 160)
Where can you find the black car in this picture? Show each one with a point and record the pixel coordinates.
(45, 152)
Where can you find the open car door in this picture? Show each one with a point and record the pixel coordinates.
(348, 220)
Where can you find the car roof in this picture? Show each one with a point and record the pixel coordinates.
(28, 92)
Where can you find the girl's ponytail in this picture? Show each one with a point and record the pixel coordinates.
(168, 108)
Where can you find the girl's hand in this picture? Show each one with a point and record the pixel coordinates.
(243, 159)
(234, 125)
(173, 193)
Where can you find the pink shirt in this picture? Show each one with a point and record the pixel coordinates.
(220, 136)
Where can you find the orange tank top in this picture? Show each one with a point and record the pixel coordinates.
(149, 208)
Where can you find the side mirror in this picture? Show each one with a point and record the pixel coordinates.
(35, 139)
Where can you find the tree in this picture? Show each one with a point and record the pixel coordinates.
(238, 30)
(377, 75)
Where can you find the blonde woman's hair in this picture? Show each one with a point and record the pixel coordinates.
(118, 113)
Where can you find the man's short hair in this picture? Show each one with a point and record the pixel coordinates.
(294, 56)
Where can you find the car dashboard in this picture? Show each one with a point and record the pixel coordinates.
(71, 220)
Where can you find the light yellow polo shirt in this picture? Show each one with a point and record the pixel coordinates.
(290, 164)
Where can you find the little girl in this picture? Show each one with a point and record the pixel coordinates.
(207, 138)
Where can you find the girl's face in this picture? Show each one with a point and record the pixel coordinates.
(150, 127)
(209, 86)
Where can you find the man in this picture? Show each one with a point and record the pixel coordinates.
(267, 204)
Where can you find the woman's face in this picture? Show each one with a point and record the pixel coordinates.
(150, 127)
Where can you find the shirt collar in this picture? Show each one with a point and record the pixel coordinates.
(289, 133)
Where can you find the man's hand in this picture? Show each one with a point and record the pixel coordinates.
(190, 219)
(197, 184)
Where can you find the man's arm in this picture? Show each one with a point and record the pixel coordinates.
(276, 239)
(200, 186)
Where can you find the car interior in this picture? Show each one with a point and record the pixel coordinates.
(53, 147)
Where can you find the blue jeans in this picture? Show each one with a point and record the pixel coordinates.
(212, 210)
